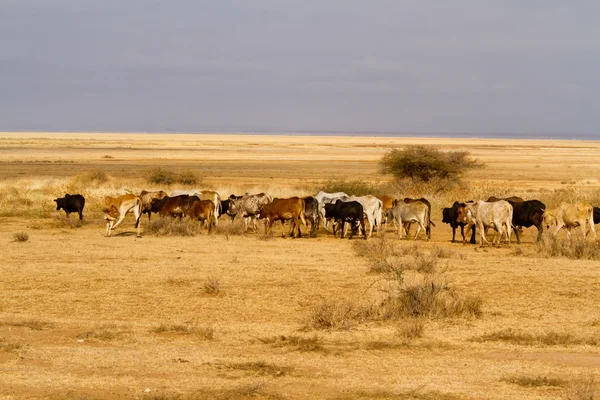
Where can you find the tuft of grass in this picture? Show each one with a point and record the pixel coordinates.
(33, 324)
(20, 237)
(583, 388)
(575, 249)
(534, 381)
(9, 347)
(423, 263)
(260, 368)
(299, 343)
(204, 332)
(172, 227)
(106, 332)
(333, 314)
(212, 286)
(410, 329)
(528, 339)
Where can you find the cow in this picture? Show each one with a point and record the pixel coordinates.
(511, 199)
(387, 202)
(372, 208)
(450, 216)
(571, 216)
(482, 214)
(328, 198)
(428, 222)
(224, 208)
(528, 213)
(415, 211)
(249, 207)
(123, 204)
(311, 214)
(110, 214)
(71, 203)
(596, 215)
(342, 212)
(203, 210)
(216, 199)
(284, 210)
(173, 206)
(147, 197)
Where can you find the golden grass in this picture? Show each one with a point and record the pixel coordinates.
(84, 316)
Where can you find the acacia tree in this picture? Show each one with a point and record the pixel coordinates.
(422, 163)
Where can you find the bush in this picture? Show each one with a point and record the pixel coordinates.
(163, 176)
(351, 188)
(21, 237)
(421, 163)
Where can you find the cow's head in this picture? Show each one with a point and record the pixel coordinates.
(60, 203)
(233, 206)
(446, 218)
(461, 214)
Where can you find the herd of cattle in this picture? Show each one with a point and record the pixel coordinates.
(336, 210)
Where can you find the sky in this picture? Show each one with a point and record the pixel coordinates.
(414, 66)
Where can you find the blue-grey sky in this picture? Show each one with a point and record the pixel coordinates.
(300, 65)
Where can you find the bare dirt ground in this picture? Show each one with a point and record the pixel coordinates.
(84, 316)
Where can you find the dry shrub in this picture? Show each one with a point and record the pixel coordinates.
(260, 368)
(424, 263)
(410, 329)
(204, 332)
(351, 188)
(104, 332)
(212, 286)
(575, 249)
(227, 229)
(299, 343)
(90, 178)
(583, 388)
(534, 381)
(430, 298)
(529, 339)
(334, 314)
(172, 227)
(20, 237)
(161, 176)
(441, 252)
(376, 249)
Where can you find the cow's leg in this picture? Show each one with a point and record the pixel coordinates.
(419, 228)
(343, 221)
(108, 227)
(517, 236)
(362, 225)
(80, 214)
(462, 232)
(122, 213)
(401, 230)
(137, 212)
(482, 235)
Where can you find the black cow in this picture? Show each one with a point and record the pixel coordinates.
(71, 203)
(450, 216)
(225, 206)
(596, 215)
(528, 213)
(351, 212)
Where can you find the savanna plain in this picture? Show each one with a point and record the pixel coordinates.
(183, 314)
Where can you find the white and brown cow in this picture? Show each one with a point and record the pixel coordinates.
(483, 214)
(249, 207)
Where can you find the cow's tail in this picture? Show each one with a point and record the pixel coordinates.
(428, 223)
(138, 205)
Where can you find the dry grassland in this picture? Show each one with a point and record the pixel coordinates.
(225, 316)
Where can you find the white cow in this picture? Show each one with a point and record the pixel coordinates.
(483, 214)
(407, 213)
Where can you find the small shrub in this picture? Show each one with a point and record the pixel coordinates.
(212, 286)
(333, 314)
(351, 188)
(89, 178)
(422, 163)
(20, 237)
(204, 332)
(583, 388)
(172, 227)
(410, 329)
(534, 381)
(576, 249)
(105, 332)
(426, 264)
(161, 176)
(187, 178)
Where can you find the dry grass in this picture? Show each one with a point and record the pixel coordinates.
(260, 368)
(105, 332)
(9, 347)
(33, 324)
(334, 314)
(212, 286)
(204, 332)
(551, 338)
(583, 388)
(21, 237)
(575, 249)
(296, 342)
(531, 381)
(168, 226)
(410, 329)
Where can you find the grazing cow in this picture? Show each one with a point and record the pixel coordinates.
(372, 208)
(571, 216)
(311, 214)
(482, 214)
(147, 197)
(110, 215)
(203, 210)
(216, 199)
(249, 207)
(175, 206)
(284, 210)
(528, 213)
(71, 203)
(224, 209)
(328, 198)
(512, 199)
(351, 212)
(415, 211)
(428, 222)
(450, 216)
(123, 204)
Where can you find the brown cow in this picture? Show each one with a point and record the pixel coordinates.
(388, 203)
(147, 197)
(283, 210)
(571, 216)
(203, 210)
(123, 204)
(512, 199)
(176, 206)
